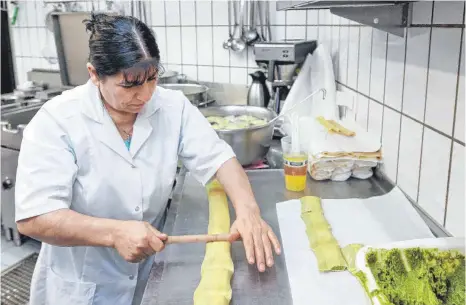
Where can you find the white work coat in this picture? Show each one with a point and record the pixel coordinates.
(72, 157)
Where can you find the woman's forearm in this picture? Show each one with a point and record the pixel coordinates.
(69, 228)
(236, 184)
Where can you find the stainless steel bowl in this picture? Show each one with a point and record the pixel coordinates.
(196, 94)
(249, 144)
(171, 77)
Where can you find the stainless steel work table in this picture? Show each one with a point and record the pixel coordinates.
(176, 271)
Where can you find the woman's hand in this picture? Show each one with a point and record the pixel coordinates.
(137, 240)
(258, 238)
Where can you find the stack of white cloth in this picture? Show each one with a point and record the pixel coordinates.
(340, 169)
(337, 157)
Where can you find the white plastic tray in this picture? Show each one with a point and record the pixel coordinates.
(449, 243)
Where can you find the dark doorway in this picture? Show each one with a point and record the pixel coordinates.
(8, 73)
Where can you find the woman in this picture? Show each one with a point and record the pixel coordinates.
(96, 167)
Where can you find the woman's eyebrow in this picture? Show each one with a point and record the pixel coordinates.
(129, 84)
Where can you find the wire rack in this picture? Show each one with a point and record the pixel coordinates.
(16, 282)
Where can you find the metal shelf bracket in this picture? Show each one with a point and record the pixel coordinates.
(389, 16)
(393, 19)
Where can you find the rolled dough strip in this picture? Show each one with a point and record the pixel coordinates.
(217, 267)
(320, 237)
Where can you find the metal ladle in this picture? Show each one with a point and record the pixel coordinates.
(238, 44)
(251, 35)
(261, 21)
(227, 43)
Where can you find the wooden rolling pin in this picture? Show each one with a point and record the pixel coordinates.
(198, 238)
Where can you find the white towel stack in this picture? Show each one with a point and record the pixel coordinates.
(337, 157)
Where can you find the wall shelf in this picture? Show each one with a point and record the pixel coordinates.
(389, 16)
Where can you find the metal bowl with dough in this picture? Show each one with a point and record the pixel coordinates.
(195, 93)
(250, 144)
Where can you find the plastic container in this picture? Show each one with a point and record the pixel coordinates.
(295, 165)
(448, 243)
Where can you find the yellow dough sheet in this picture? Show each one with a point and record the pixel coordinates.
(321, 240)
(217, 267)
(335, 127)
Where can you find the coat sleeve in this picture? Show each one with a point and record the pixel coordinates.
(201, 151)
(46, 168)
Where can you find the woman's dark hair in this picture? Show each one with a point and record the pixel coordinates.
(123, 44)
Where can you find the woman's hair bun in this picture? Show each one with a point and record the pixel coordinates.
(96, 21)
(119, 44)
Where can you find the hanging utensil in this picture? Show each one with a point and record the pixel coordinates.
(251, 35)
(238, 44)
(267, 22)
(227, 43)
(261, 20)
(144, 11)
(140, 10)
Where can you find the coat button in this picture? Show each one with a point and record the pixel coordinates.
(131, 277)
(133, 166)
(136, 208)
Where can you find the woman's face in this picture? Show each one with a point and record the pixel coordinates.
(120, 95)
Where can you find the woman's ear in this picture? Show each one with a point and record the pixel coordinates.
(92, 74)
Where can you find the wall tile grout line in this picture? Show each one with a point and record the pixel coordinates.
(27, 30)
(347, 59)
(212, 36)
(37, 19)
(370, 73)
(318, 24)
(229, 29)
(286, 22)
(384, 87)
(165, 30)
(404, 114)
(197, 48)
(357, 72)
(339, 43)
(450, 163)
(401, 107)
(181, 38)
(425, 103)
(337, 58)
(305, 25)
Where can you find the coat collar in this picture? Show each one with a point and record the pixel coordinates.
(93, 107)
(105, 130)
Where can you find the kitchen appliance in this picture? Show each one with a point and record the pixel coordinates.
(12, 126)
(249, 144)
(196, 93)
(71, 40)
(277, 55)
(22, 97)
(258, 93)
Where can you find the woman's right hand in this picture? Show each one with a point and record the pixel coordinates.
(137, 240)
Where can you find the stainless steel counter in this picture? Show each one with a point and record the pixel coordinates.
(176, 271)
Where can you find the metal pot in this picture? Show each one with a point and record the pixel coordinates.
(249, 144)
(171, 77)
(196, 94)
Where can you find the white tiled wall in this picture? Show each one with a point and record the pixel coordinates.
(410, 90)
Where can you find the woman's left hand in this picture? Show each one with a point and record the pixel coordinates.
(258, 238)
